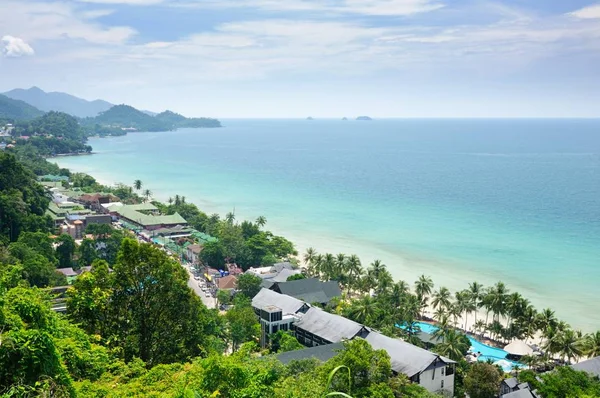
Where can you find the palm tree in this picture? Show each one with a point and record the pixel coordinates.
(515, 305)
(328, 266)
(261, 221)
(453, 345)
(147, 194)
(309, 255)
(182, 199)
(230, 217)
(547, 320)
(441, 298)
(529, 322)
(498, 300)
(355, 271)
(364, 310)
(170, 201)
(137, 184)
(480, 327)
(476, 293)
(496, 329)
(423, 288)
(376, 268)
(568, 345)
(591, 345)
(385, 282)
(465, 303)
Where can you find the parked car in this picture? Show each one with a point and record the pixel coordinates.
(207, 294)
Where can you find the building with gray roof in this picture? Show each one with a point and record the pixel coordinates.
(591, 366)
(322, 352)
(311, 290)
(318, 327)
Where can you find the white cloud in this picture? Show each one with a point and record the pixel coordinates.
(591, 12)
(34, 21)
(15, 47)
(131, 2)
(363, 7)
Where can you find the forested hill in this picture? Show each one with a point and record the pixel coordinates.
(125, 117)
(11, 109)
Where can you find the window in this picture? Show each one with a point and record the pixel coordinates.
(442, 383)
(275, 328)
(450, 370)
(433, 374)
(443, 371)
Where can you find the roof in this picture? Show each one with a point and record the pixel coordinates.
(284, 274)
(67, 271)
(311, 290)
(511, 383)
(266, 297)
(321, 352)
(278, 267)
(331, 327)
(227, 282)
(131, 213)
(195, 248)
(406, 358)
(526, 393)
(590, 366)
(518, 347)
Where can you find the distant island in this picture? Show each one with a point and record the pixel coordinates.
(364, 118)
(344, 118)
(309, 118)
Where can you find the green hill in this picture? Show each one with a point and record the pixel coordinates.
(176, 120)
(17, 110)
(126, 116)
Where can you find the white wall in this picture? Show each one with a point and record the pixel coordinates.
(431, 379)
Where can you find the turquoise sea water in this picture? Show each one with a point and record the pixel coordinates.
(460, 200)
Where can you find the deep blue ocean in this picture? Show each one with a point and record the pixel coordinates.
(460, 200)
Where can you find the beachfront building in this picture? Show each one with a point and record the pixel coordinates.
(145, 216)
(591, 366)
(310, 290)
(314, 328)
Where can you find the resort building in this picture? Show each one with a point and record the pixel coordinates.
(276, 273)
(310, 290)
(192, 253)
(316, 328)
(591, 366)
(145, 216)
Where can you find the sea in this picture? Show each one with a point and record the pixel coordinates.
(460, 200)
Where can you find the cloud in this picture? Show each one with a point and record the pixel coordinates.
(362, 7)
(130, 2)
(35, 21)
(15, 47)
(591, 12)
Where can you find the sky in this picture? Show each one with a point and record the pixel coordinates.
(319, 58)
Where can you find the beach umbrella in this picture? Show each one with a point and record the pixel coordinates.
(518, 347)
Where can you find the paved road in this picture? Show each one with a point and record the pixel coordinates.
(210, 301)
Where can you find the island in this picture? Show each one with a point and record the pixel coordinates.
(309, 118)
(364, 118)
(344, 118)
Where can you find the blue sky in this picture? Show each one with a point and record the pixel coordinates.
(324, 58)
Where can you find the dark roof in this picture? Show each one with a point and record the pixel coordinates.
(266, 283)
(331, 327)
(311, 290)
(590, 366)
(266, 297)
(428, 338)
(322, 353)
(67, 271)
(278, 267)
(511, 383)
(526, 393)
(406, 358)
(284, 274)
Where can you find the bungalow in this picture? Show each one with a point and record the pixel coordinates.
(228, 282)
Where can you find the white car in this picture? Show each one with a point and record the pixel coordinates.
(207, 294)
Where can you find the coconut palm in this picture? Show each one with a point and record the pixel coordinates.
(568, 345)
(528, 321)
(365, 310)
(423, 288)
(515, 305)
(309, 255)
(177, 200)
(496, 329)
(170, 200)
(591, 345)
(476, 293)
(498, 296)
(546, 320)
(355, 271)
(480, 327)
(465, 304)
(230, 217)
(147, 194)
(453, 345)
(137, 184)
(261, 221)
(384, 282)
(441, 298)
(376, 268)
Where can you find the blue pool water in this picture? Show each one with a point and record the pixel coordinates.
(487, 352)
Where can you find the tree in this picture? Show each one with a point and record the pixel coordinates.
(242, 324)
(454, 345)
(565, 382)
(261, 221)
(147, 194)
(230, 217)
(423, 288)
(591, 345)
(149, 295)
(223, 297)
(296, 277)
(309, 256)
(65, 250)
(441, 299)
(482, 380)
(249, 284)
(137, 185)
(87, 252)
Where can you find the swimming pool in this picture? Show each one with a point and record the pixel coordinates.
(487, 352)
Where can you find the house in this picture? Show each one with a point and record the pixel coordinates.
(70, 273)
(145, 216)
(314, 328)
(278, 272)
(321, 352)
(192, 253)
(226, 282)
(591, 366)
(318, 327)
(96, 200)
(511, 388)
(431, 371)
(310, 290)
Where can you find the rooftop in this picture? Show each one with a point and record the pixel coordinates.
(132, 213)
(288, 305)
(311, 290)
(590, 366)
(322, 353)
(406, 358)
(331, 327)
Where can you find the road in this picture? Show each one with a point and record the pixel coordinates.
(210, 301)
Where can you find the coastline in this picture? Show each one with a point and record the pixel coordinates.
(402, 266)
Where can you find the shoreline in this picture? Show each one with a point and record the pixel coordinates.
(451, 274)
